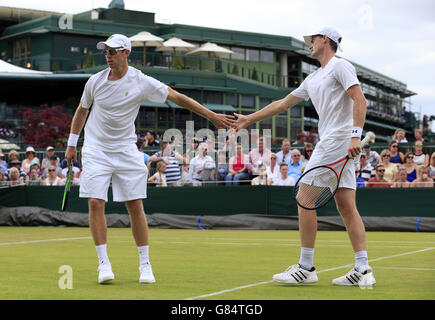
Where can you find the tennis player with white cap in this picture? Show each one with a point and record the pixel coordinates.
(109, 153)
(340, 103)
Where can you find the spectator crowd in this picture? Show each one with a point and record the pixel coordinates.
(394, 167)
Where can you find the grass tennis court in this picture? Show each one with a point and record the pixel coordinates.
(200, 264)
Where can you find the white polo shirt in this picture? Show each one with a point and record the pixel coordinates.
(115, 105)
(327, 89)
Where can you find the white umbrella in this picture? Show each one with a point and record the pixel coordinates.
(175, 44)
(7, 67)
(144, 39)
(209, 49)
(5, 144)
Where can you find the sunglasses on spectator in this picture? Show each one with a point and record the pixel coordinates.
(386, 156)
(309, 150)
(395, 146)
(382, 170)
(112, 51)
(50, 170)
(273, 158)
(419, 145)
(410, 157)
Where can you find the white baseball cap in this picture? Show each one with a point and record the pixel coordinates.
(115, 41)
(331, 33)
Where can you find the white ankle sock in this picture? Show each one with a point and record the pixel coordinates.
(143, 254)
(102, 253)
(361, 259)
(306, 259)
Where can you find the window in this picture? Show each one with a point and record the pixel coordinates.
(248, 101)
(194, 94)
(296, 112)
(181, 116)
(147, 117)
(231, 99)
(238, 53)
(266, 56)
(226, 55)
(295, 128)
(21, 52)
(264, 102)
(281, 127)
(213, 97)
(165, 118)
(253, 55)
(266, 124)
(75, 49)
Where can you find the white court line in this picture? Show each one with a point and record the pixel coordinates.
(45, 240)
(325, 270)
(403, 268)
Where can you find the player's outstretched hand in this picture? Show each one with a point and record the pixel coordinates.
(241, 122)
(354, 147)
(221, 121)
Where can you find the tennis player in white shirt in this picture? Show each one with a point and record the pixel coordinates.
(340, 103)
(109, 152)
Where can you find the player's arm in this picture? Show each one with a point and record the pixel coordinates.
(359, 116)
(270, 110)
(77, 124)
(219, 120)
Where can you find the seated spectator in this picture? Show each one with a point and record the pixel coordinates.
(284, 154)
(395, 155)
(64, 172)
(294, 169)
(49, 152)
(184, 175)
(360, 182)
(258, 156)
(372, 156)
(399, 136)
(222, 168)
(237, 168)
(159, 178)
(272, 171)
(418, 135)
(33, 179)
(410, 167)
(260, 180)
(307, 152)
(172, 160)
(13, 155)
(15, 163)
(300, 138)
(432, 166)
(53, 162)
(390, 168)
(14, 178)
(3, 163)
(401, 181)
(35, 165)
(191, 148)
(3, 181)
(423, 180)
(378, 181)
(202, 167)
(30, 156)
(150, 140)
(52, 179)
(420, 159)
(366, 171)
(284, 179)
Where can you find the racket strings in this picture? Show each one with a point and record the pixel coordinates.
(316, 188)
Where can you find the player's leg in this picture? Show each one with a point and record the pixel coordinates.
(304, 271)
(362, 273)
(98, 226)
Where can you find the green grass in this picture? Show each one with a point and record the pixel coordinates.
(191, 263)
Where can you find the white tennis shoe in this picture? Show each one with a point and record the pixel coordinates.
(105, 273)
(363, 277)
(295, 274)
(146, 273)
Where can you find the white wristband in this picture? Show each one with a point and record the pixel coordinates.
(356, 132)
(72, 140)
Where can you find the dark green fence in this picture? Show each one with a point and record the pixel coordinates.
(219, 200)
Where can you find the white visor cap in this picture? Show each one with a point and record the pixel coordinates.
(115, 41)
(331, 33)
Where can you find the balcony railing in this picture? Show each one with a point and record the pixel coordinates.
(159, 60)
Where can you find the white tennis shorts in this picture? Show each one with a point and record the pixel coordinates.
(125, 169)
(329, 151)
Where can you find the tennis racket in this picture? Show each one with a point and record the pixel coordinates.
(317, 186)
(67, 185)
